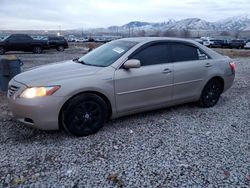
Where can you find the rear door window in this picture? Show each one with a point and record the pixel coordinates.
(25, 38)
(184, 52)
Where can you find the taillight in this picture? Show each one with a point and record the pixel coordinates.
(233, 66)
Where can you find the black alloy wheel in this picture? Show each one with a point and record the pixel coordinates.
(37, 49)
(60, 48)
(2, 50)
(211, 93)
(84, 115)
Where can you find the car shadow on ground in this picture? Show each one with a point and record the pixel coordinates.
(23, 134)
(51, 51)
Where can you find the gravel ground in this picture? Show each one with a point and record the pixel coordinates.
(183, 146)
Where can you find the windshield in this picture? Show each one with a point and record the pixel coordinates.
(2, 38)
(108, 53)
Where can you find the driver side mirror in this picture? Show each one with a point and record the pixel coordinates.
(132, 63)
(203, 57)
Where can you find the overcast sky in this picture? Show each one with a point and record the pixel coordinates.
(72, 14)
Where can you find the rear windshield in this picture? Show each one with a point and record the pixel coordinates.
(108, 53)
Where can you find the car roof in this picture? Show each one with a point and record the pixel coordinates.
(18, 34)
(152, 39)
(55, 36)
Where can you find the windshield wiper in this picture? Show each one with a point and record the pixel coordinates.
(82, 62)
(78, 61)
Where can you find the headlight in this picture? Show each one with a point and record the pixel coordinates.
(34, 92)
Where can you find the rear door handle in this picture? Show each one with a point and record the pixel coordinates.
(208, 65)
(166, 71)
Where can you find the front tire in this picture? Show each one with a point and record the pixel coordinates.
(211, 93)
(2, 50)
(60, 48)
(37, 49)
(84, 115)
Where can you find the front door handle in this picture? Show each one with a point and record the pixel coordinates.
(208, 65)
(166, 71)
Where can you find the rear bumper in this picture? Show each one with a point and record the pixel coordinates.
(228, 81)
(66, 45)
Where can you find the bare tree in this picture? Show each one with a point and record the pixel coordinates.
(142, 33)
(237, 34)
(169, 33)
(224, 33)
(185, 33)
(155, 33)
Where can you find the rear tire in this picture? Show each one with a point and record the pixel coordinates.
(37, 49)
(84, 115)
(211, 93)
(60, 48)
(2, 50)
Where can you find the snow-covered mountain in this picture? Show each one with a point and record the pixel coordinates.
(191, 24)
(240, 23)
(136, 24)
(236, 23)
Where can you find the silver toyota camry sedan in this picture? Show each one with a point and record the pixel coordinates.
(119, 78)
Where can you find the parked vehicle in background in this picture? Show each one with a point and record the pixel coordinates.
(199, 41)
(57, 42)
(22, 42)
(237, 44)
(71, 39)
(247, 45)
(207, 41)
(76, 39)
(119, 78)
(217, 43)
(226, 43)
(82, 39)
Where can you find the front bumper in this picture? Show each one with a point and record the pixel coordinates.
(41, 113)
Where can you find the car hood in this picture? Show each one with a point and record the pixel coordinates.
(52, 73)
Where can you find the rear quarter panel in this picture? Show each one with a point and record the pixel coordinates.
(221, 69)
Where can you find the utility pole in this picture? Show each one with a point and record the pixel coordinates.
(59, 31)
(82, 33)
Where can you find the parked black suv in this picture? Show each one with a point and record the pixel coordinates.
(219, 43)
(22, 42)
(237, 44)
(58, 42)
